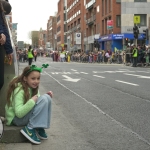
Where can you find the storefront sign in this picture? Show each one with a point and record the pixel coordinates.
(78, 38)
(104, 38)
(109, 24)
(136, 19)
(117, 36)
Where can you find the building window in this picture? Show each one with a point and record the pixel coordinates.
(58, 18)
(143, 21)
(58, 39)
(118, 1)
(118, 21)
(140, 0)
(102, 7)
(58, 29)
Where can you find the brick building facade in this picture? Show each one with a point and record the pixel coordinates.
(90, 18)
(42, 39)
(75, 24)
(51, 32)
(61, 24)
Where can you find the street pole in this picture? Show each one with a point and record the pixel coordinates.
(54, 44)
(136, 38)
(136, 42)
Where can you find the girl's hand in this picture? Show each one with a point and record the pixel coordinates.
(50, 93)
(35, 98)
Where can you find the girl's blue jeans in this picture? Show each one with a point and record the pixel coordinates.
(39, 116)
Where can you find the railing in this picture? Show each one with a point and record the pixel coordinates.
(91, 20)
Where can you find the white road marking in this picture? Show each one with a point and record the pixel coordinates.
(66, 72)
(101, 111)
(124, 69)
(127, 82)
(132, 74)
(76, 72)
(98, 76)
(55, 72)
(70, 79)
(139, 76)
(143, 71)
(73, 70)
(120, 71)
(144, 77)
(110, 71)
(84, 72)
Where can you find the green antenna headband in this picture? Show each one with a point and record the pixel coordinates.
(35, 68)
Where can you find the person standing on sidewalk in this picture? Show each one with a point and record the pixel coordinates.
(35, 54)
(30, 55)
(5, 43)
(134, 56)
(25, 107)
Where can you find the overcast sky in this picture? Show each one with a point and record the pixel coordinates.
(31, 15)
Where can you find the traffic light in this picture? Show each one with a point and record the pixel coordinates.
(95, 43)
(145, 34)
(98, 45)
(126, 41)
(135, 32)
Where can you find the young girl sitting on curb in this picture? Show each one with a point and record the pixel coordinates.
(25, 107)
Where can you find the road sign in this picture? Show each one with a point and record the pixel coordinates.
(109, 24)
(136, 19)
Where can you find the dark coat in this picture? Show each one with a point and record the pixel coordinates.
(4, 30)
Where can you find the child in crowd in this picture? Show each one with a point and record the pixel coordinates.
(25, 107)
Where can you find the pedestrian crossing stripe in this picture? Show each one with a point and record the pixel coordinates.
(99, 72)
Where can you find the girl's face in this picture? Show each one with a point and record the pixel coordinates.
(33, 79)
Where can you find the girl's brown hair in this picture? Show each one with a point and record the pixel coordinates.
(14, 84)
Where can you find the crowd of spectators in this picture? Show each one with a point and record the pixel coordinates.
(102, 56)
(119, 57)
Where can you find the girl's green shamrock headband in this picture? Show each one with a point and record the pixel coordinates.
(35, 68)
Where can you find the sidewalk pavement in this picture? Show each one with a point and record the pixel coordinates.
(59, 133)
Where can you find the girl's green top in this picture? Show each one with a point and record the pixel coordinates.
(17, 107)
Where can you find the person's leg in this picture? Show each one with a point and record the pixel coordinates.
(35, 58)
(41, 113)
(36, 120)
(30, 61)
(1, 66)
(133, 59)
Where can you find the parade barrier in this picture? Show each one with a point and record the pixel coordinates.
(10, 134)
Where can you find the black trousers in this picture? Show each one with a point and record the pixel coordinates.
(134, 61)
(35, 57)
(1, 66)
(30, 61)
